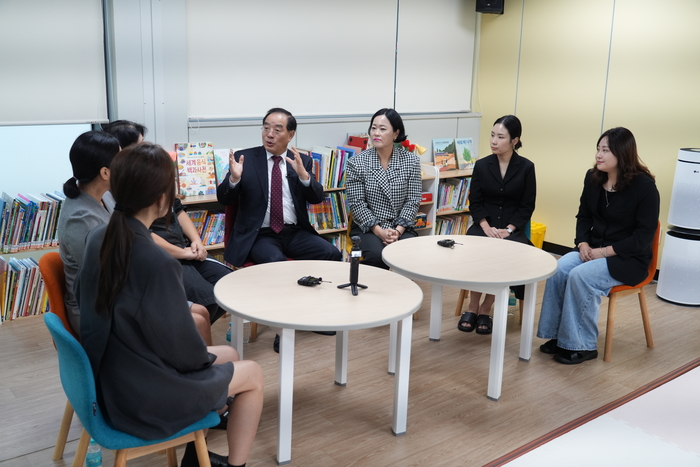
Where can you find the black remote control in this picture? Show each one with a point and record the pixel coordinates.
(309, 281)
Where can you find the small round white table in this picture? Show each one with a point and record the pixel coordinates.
(269, 294)
(482, 264)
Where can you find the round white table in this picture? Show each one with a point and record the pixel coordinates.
(481, 264)
(269, 294)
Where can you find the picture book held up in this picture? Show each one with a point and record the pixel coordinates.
(195, 169)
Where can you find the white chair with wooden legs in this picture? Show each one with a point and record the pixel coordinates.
(620, 291)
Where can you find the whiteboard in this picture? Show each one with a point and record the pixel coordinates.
(435, 56)
(52, 62)
(327, 58)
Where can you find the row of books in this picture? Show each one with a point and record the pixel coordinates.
(331, 214)
(453, 225)
(329, 164)
(453, 194)
(29, 221)
(210, 226)
(341, 242)
(22, 290)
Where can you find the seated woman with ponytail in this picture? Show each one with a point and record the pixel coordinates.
(155, 376)
(87, 205)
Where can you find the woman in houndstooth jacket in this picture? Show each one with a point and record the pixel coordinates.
(384, 188)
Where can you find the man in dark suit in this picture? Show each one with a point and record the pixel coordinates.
(259, 233)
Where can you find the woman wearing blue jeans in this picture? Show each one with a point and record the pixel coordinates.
(615, 225)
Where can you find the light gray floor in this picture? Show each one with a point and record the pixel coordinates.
(660, 428)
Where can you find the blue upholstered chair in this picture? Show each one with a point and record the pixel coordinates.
(79, 385)
(51, 268)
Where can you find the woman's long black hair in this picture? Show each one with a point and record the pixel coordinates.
(140, 175)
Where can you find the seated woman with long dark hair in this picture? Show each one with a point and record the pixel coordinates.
(615, 225)
(154, 374)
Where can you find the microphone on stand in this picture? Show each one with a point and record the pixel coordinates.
(355, 255)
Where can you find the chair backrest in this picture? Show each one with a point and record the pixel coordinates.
(51, 268)
(77, 379)
(651, 272)
(654, 256)
(229, 219)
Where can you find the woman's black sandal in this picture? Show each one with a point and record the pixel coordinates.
(484, 324)
(467, 318)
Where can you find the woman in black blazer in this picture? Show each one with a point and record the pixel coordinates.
(501, 202)
(384, 188)
(615, 225)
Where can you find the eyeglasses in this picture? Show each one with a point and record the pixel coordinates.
(275, 131)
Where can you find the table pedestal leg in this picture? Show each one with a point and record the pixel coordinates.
(403, 367)
(286, 391)
(341, 358)
(435, 313)
(392, 348)
(237, 334)
(528, 322)
(498, 344)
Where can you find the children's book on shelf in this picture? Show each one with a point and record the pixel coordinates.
(327, 160)
(453, 225)
(345, 153)
(213, 229)
(444, 154)
(22, 291)
(221, 162)
(453, 194)
(195, 168)
(464, 148)
(29, 221)
(342, 243)
(360, 140)
(198, 217)
(330, 214)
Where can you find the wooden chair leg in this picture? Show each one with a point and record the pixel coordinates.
(645, 318)
(521, 305)
(63, 432)
(612, 301)
(202, 452)
(171, 454)
(463, 294)
(253, 331)
(81, 451)
(120, 457)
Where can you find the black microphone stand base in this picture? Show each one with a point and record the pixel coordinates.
(353, 287)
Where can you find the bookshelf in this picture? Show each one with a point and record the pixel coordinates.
(27, 232)
(208, 202)
(430, 181)
(452, 217)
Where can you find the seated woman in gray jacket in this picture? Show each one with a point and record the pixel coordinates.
(383, 188)
(88, 204)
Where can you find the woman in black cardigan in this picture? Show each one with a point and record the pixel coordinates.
(501, 202)
(615, 225)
